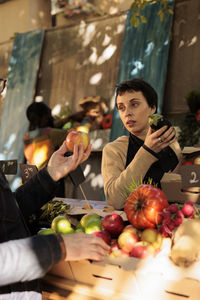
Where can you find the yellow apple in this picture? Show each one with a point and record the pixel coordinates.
(197, 160)
(76, 138)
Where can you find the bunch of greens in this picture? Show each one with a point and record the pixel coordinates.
(50, 210)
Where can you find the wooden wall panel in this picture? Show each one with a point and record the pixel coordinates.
(184, 58)
(81, 60)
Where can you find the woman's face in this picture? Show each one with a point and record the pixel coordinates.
(134, 111)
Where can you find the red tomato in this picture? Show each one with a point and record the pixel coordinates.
(143, 206)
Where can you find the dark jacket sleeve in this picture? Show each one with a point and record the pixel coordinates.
(36, 192)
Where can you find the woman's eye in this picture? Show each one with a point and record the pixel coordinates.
(134, 104)
(120, 107)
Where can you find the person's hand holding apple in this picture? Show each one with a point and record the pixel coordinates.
(60, 165)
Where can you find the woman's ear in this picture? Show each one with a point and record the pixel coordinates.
(154, 109)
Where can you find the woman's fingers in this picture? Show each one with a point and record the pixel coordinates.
(167, 136)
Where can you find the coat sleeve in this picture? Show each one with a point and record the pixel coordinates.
(28, 259)
(115, 177)
(36, 192)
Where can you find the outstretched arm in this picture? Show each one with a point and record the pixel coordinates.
(30, 258)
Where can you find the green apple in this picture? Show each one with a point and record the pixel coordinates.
(92, 226)
(62, 225)
(149, 235)
(46, 231)
(88, 217)
(153, 236)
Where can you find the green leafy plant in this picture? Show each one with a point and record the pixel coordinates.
(139, 5)
(135, 184)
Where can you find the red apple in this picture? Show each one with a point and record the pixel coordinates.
(77, 137)
(127, 240)
(104, 235)
(113, 223)
(115, 251)
(140, 250)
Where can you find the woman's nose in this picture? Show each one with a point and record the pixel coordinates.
(127, 112)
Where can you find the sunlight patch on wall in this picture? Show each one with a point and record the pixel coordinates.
(93, 57)
(56, 110)
(10, 142)
(107, 54)
(113, 10)
(192, 41)
(96, 78)
(87, 169)
(21, 13)
(181, 44)
(95, 180)
(119, 29)
(97, 143)
(112, 102)
(138, 65)
(41, 14)
(149, 48)
(106, 40)
(33, 21)
(89, 34)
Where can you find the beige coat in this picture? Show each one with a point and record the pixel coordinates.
(116, 178)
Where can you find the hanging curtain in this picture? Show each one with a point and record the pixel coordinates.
(145, 54)
(22, 76)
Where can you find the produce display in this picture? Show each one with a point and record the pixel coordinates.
(151, 221)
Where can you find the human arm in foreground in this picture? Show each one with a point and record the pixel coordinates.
(30, 258)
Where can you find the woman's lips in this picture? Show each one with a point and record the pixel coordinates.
(130, 123)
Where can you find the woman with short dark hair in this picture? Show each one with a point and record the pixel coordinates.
(146, 154)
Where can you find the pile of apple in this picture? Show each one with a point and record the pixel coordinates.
(125, 240)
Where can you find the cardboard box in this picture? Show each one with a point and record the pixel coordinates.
(171, 185)
(186, 185)
(190, 153)
(130, 278)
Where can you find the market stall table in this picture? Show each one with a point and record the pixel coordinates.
(123, 278)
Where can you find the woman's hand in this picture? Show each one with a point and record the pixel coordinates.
(85, 246)
(60, 165)
(160, 139)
